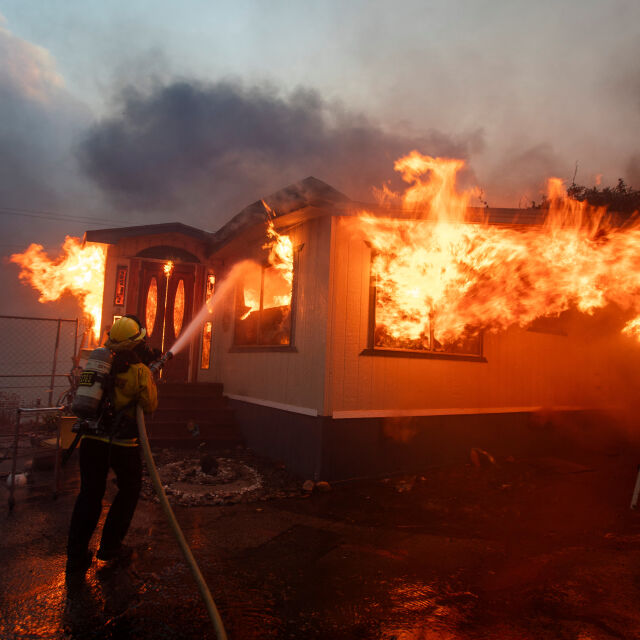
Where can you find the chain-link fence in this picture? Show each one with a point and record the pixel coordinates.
(36, 358)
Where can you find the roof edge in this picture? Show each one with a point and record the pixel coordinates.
(114, 235)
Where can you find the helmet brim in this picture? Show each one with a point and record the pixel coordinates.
(127, 344)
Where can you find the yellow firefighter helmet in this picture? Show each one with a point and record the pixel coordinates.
(125, 334)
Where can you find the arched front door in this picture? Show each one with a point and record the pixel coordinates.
(165, 307)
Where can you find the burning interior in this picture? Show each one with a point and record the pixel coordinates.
(446, 275)
(264, 295)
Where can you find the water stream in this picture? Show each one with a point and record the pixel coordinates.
(206, 312)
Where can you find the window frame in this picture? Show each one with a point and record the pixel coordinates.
(398, 352)
(257, 348)
(209, 290)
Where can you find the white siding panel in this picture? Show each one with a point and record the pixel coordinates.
(289, 378)
(523, 368)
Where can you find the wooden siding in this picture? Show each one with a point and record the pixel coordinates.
(293, 378)
(524, 369)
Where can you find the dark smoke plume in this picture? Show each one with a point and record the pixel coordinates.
(207, 150)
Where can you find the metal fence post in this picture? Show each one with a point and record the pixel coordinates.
(55, 362)
(12, 500)
(75, 340)
(56, 472)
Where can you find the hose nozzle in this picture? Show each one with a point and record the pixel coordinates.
(160, 362)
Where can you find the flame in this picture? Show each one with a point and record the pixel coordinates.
(280, 252)
(79, 270)
(281, 259)
(445, 273)
(168, 268)
(632, 328)
(270, 288)
(210, 288)
(251, 302)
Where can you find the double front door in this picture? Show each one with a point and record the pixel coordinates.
(165, 306)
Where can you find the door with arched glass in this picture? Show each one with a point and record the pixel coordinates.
(166, 306)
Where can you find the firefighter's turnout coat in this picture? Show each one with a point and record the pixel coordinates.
(133, 386)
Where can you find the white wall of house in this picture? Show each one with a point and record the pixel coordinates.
(291, 380)
(524, 369)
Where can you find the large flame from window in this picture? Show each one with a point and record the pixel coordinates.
(277, 285)
(445, 264)
(79, 270)
(280, 254)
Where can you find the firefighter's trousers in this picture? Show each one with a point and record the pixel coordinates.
(96, 457)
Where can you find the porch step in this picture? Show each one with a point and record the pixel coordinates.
(191, 413)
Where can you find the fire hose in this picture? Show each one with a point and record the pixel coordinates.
(221, 634)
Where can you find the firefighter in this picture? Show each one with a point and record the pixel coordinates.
(113, 445)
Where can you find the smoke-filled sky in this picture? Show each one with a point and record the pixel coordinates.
(116, 113)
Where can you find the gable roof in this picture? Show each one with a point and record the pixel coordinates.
(306, 193)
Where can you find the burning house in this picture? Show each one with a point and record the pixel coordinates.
(354, 339)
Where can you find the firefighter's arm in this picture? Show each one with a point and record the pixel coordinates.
(148, 392)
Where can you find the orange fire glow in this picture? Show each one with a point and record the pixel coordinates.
(280, 253)
(79, 270)
(444, 272)
(251, 300)
(274, 285)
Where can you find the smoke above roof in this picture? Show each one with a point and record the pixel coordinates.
(207, 150)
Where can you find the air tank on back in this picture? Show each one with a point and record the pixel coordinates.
(88, 398)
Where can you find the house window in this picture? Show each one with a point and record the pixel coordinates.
(263, 307)
(151, 307)
(205, 358)
(178, 308)
(207, 329)
(413, 330)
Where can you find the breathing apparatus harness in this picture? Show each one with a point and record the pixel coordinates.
(94, 400)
